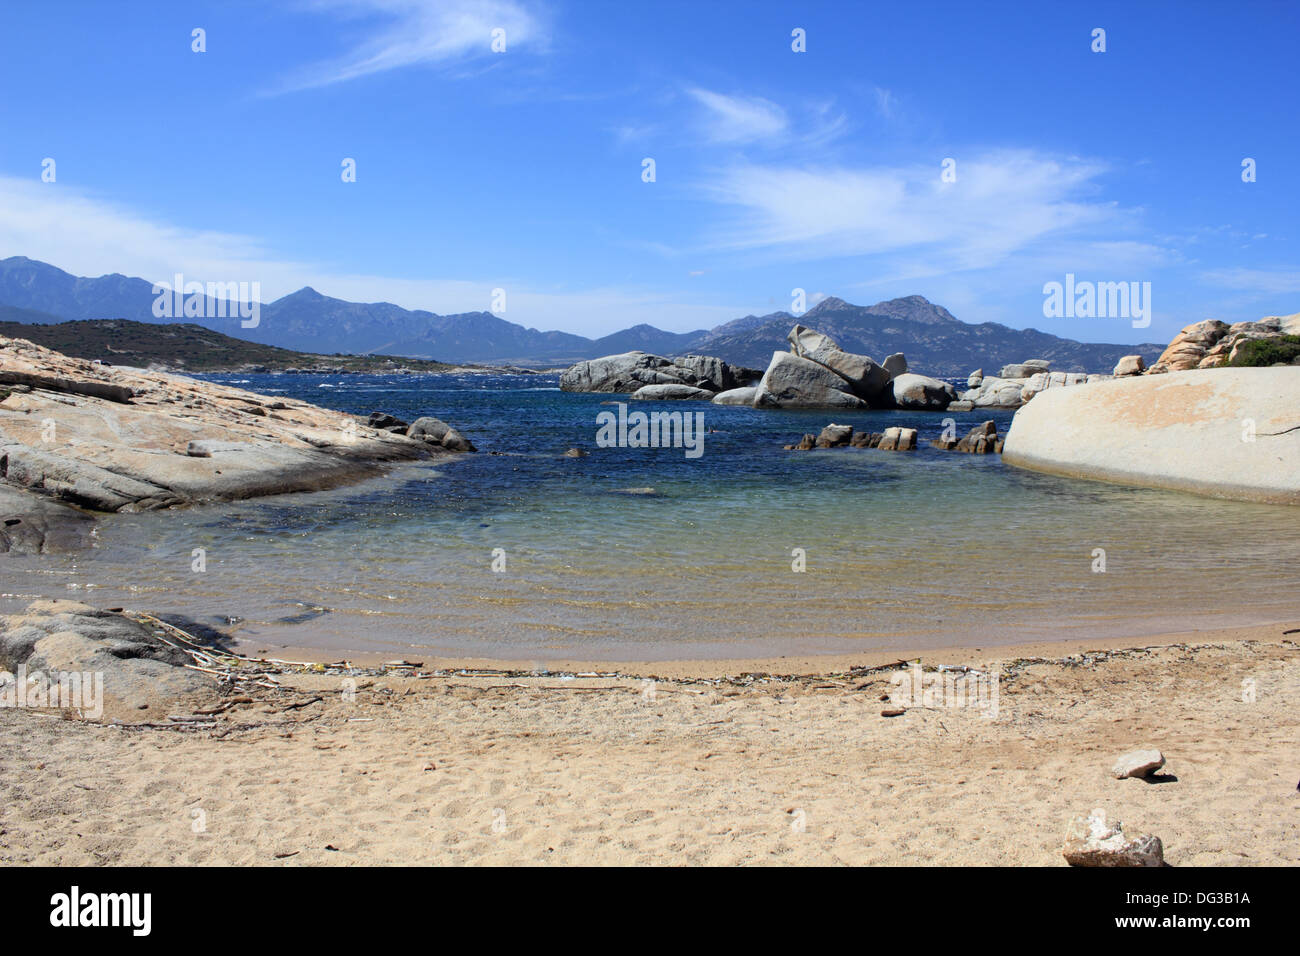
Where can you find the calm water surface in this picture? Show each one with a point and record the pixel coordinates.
(903, 550)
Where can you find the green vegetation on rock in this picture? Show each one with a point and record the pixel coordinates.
(1266, 352)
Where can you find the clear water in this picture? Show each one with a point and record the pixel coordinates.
(903, 550)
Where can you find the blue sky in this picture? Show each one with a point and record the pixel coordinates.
(775, 170)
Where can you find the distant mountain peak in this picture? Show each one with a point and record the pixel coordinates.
(829, 304)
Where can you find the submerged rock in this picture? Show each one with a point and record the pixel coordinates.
(434, 431)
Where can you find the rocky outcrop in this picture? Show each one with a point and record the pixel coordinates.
(718, 376)
(737, 396)
(665, 393)
(865, 378)
(1213, 344)
(34, 525)
(981, 440)
(895, 364)
(1130, 365)
(1189, 346)
(139, 670)
(1227, 349)
(1001, 391)
(173, 441)
(833, 436)
(920, 392)
(897, 439)
(838, 436)
(1091, 841)
(434, 431)
(814, 373)
(1025, 369)
(629, 371)
(1226, 432)
(992, 391)
(794, 382)
(1045, 380)
(382, 421)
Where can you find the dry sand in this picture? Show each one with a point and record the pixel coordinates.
(538, 770)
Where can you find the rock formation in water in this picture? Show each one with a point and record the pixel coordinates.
(106, 438)
(630, 371)
(1223, 432)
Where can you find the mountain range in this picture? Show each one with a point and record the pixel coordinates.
(934, 340)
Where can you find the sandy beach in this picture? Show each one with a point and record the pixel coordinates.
(700, 765)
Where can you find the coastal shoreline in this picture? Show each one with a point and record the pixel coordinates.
(320, 770)
(800, 665)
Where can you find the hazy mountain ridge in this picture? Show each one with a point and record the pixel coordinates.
(307, 321)
(186, 347)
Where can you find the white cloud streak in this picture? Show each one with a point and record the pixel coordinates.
(417, 33)
(1001, 203)
(739, 119)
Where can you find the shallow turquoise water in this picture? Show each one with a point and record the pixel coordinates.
(903, 550)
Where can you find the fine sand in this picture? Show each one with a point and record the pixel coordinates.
(688, 769)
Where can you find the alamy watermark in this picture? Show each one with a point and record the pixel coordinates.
(215, 300)
(653, 430)
(1098, 300)
(67, 690)
(947, 687)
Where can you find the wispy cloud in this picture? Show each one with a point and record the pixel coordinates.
(87, 235)
(1265, 282)
(739, 119)
(885, 102)
(1001, 203)
(405, 33)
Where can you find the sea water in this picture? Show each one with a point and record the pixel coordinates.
(518, 552)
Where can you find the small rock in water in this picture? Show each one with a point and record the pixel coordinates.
(1091, 841)
(575, 453)
(832, 436)
(1139, 763)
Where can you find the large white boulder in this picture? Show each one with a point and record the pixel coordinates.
(737, 396)
(1226, 432)
(866, 379)
(922, 392)
(794, 382)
